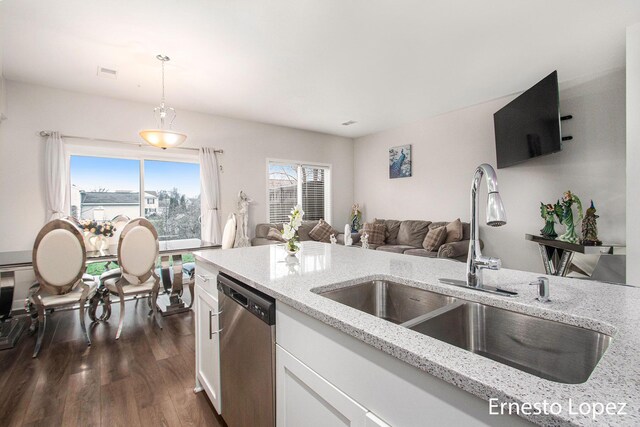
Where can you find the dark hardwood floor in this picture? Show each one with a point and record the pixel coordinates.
(146, 378)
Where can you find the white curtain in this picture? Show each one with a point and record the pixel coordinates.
(55, 173)
(210, 197)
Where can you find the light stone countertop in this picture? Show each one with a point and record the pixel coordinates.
(607, 308)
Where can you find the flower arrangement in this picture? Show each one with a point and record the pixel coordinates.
(290, 229)
(96, 228)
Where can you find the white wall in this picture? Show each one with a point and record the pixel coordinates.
(633, 152)
(447, 148)
(246, 145)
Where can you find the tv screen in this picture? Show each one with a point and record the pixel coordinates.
(529, 126)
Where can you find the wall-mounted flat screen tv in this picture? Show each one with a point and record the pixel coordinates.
(529, 126)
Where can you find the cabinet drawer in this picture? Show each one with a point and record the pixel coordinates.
(206, 275)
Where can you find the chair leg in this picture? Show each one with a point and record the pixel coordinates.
(82, 325)
(191, 288)
(121, 316)
(154, 300)
(42, 324)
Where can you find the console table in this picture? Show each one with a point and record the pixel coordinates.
(171, 275)
(557, 255)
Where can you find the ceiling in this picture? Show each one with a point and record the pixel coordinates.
(313, 64)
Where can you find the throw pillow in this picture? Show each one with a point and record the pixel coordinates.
(321, 232)
(454, 231)
(435, 238)
(376, 231)
(275, 234)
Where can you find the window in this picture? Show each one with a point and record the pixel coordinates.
(291, 183)
(166, 193)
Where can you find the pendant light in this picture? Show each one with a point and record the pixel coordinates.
(161, 137)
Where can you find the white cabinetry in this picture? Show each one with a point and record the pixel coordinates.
(207, 336)
(304, 398)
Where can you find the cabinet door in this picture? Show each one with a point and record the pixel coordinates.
(304, 398)
(208, 346)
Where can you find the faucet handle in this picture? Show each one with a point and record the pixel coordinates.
(489, 263)
(543, 288)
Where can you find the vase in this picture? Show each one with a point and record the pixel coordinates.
(291, 247)
(98, 243)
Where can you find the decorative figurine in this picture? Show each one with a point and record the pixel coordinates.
(568, 199)
(365, 241)
(590, 227)
(356, 217)
(348, 241)
(549, 213)
(242, 230)
(333, 239)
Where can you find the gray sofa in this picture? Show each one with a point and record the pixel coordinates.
(303, 232)
(406, 237)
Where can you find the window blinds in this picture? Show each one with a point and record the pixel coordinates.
(291, 184)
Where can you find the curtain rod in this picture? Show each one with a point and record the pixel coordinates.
(45, 133)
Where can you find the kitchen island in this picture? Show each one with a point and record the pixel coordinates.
(417, 375)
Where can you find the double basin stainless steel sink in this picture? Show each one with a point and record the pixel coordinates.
(551, 350)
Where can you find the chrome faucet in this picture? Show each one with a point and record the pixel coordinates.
(496, 217)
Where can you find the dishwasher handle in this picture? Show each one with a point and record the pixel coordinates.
(239, 298)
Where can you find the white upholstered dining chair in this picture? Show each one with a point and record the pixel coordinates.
(59, 258)
(137, 255)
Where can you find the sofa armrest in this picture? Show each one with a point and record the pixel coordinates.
(261, 241)
(454, 249)
(458, 250)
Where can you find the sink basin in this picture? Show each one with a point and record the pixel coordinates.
(547, 349)
(388, 300)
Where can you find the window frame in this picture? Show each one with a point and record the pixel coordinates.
(328, 193)
(140, 153)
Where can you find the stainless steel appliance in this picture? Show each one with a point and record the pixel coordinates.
(247, 354)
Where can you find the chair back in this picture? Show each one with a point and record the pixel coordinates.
(119, 223)
(138, 250)
(229, 232)
(59, 256)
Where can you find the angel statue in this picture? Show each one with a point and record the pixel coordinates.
(590, 227)
(549, 213)
(356, 217)
(568, 199)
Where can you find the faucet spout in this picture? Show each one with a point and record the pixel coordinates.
(496, 217)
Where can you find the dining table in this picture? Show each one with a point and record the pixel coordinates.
(170, 272)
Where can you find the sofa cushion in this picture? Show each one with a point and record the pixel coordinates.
(421, 252)
(391, 232)
(371, 246)
(412, 233)
(375, 231)
(398, 249)
(321, 232)
(454, 229)
(434, 239)
(275, 234)
(262, 230)
(305, 229)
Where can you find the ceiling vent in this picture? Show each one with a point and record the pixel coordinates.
(349, 123)
(107, 73)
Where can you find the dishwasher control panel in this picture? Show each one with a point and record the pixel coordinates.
(257, 303)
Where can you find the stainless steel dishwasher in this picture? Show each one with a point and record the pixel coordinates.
(247, 354)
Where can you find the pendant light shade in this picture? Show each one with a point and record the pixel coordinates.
(161, 137)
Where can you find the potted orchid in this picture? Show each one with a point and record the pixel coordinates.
(290, 230)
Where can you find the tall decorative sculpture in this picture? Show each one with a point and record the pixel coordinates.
(242, 217)
(590, 227)
(568, 200)
(356, 217)
(549, 213)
